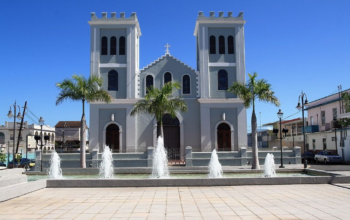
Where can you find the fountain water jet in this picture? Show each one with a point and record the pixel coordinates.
(106, 166)
(55, 171)
(215, 169)
(269, 166)
(160, 161)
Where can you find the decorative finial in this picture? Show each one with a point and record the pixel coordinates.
(167, 49)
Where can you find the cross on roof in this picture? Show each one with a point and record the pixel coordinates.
(167, 48)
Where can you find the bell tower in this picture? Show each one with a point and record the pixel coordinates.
(115, 53)
(220, 53)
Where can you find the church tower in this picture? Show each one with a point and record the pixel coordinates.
(220, 62)
(220, 46)
(115, 53)
(115, 58)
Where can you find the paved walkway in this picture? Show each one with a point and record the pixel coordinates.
(229, 202)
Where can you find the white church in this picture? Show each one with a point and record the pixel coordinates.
(216, 119)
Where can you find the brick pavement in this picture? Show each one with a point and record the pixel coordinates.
(228, 202)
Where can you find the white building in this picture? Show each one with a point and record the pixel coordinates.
(28, 133)
(320, 131)
(216, 119)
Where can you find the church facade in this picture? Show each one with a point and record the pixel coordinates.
(216, 119)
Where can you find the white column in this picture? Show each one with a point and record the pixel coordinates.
(204, 61)
(240, 54)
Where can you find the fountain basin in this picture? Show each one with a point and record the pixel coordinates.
(186, 177)
(96, 183)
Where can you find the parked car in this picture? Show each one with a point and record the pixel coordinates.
(327, 157)
(23, 163)
(13, 165)
(308, 155)
(2, 164)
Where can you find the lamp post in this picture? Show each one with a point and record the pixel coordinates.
(280, 115)
(19, 116)
(302, 109)
(335, 126)
(41, 123)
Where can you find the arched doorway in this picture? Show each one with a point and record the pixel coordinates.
(224, 137)
(171, 129)
(112, 137)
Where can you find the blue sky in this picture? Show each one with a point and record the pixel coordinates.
(295, 45)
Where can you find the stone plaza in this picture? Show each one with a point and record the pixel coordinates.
(324, 201)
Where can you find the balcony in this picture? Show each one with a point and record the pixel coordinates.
(311, 129)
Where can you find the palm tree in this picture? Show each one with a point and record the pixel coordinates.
(249, 92)
(159, 102)
(81, 89)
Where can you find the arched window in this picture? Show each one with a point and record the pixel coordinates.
(2, 138)
(212, 45)
(186, 84)
(222, 80)
(167, 77)
(104, 46)
(149, 82)
(113, 46)
(230, 45)
(122, 46)
(221, 45)
(113, 80)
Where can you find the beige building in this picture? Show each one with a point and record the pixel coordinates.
(27, 136)
(68, 136)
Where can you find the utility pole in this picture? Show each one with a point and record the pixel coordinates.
(20, 128)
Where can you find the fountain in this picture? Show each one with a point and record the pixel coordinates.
(160, 161)
(269, 166)
(215, 169)
(106, 166)
(55, 171)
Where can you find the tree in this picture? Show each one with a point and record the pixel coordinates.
(345, 96)
(159, 102)
(81, 89)
(249, 92)
(2, 157)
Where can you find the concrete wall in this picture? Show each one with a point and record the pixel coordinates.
(121, 92)
(116, 32)
(235, 116)
(105, 119)
(316, 114)
(177, 70)
(217, 31)
(241, 158)
(214, 92)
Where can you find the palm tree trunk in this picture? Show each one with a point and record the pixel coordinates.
(83, 106)
(255, 159)
(83, 142)
(83, 138)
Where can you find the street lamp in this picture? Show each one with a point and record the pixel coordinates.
(41, 123)
(302, 108)
(19, 116)
(280, 115)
